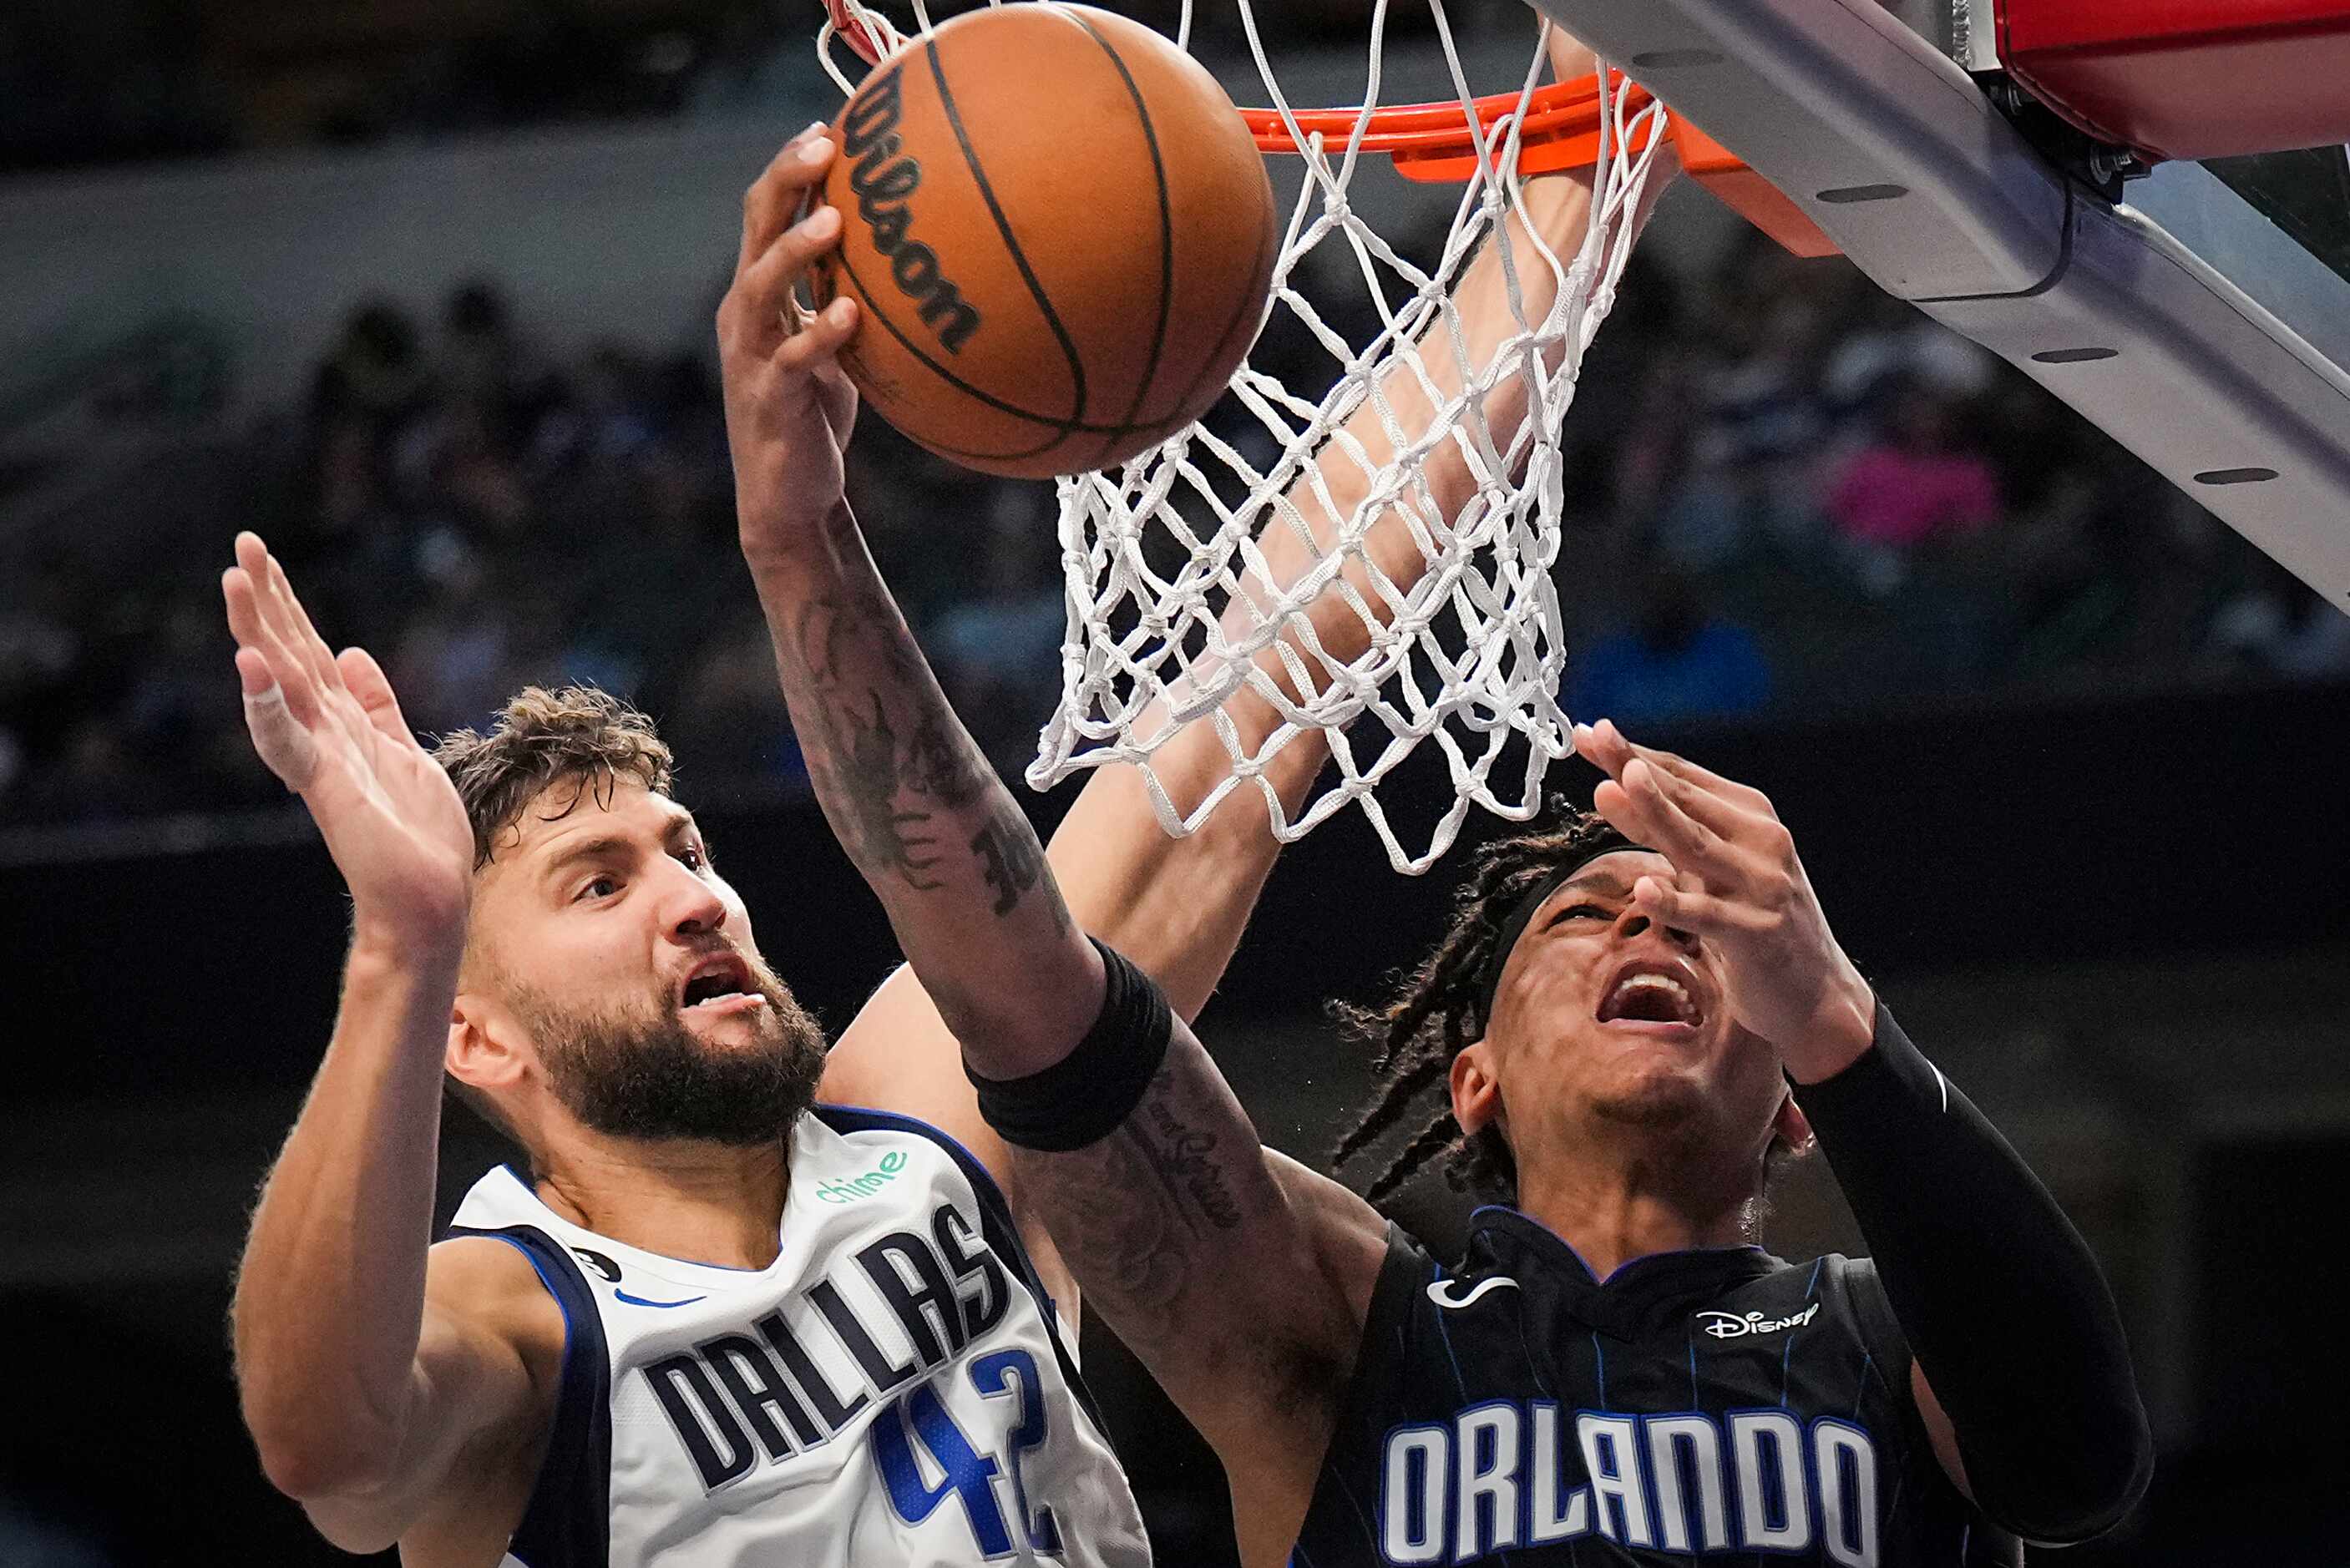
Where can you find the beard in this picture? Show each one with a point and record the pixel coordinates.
(642, 1074)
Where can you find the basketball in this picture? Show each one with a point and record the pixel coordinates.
(1059, 234)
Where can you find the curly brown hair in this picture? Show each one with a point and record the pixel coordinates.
(577, 735)
(1438, 1011)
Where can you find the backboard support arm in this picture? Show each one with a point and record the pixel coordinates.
(1894, 152)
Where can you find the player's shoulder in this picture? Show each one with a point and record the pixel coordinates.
(496, 1288)
(835, 1141)
(479, 1266)
(1850, 1295)
(1839, 1286)
(1829, 1273)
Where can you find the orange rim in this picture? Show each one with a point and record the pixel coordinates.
(1430, 142)
(1561, 109)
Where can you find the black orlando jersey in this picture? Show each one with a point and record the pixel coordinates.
(1691, 1405)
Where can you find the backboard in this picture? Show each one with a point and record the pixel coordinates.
(2202, 319)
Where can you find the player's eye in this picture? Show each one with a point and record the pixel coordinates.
(601, 888)
(692, 858)
(1580, 912)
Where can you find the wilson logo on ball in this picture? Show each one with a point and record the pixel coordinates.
(882, 180)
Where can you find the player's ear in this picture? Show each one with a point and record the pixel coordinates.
(482, 1050)
(1476, 1092)
(1791, 1130)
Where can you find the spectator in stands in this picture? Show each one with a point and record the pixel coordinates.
(1745, 480)
(2279, 626)
(376, 372)
(1677, 658)
(1916, 484)
(484, 363)
(727, 722)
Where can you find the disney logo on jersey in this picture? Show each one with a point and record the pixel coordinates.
(1737, 1325)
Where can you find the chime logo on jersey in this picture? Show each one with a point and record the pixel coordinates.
(763, 1389)
(1497, 1476)
(849, 1189)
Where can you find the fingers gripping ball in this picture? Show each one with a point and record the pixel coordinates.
(1058, 232)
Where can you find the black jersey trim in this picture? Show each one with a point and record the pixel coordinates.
(568, 1522)
(996, 1225)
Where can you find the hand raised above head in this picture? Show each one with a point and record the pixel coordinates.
(789, 407)
(331, 731)
(1738, 882)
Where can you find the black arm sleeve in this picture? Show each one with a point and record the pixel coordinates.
(1999, 1296)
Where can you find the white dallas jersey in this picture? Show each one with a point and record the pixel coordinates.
(892, 1389)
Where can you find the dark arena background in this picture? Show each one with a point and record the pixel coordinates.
(422, 290)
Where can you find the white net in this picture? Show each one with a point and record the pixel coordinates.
(1408, 607)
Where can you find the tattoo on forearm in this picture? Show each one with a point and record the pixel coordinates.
(884, 791)
(863, 760)
(877, 786)
(1185, 1160)
(941, 762)
(1011, 860)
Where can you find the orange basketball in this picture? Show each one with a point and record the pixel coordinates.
(1058, 232)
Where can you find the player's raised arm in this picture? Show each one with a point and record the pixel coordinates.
(908, 792)
(2021, 1372)
(363, 1369)
(1179, 905)
(1124, 1135)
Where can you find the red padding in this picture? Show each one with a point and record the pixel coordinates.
(2187, 78)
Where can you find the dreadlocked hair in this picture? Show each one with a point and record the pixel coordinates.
(1435, 1013)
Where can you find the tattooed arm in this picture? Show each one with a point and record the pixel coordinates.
(1241, 1280)
(918, 809)
(934, 832)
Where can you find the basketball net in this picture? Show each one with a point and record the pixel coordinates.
(1173, 608)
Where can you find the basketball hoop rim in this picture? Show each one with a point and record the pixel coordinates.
(1433, 143)
(1560, 111)
(1436, 131)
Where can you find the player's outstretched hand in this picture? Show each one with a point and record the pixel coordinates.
(789, 407)
(330, 729)
(1739, 884)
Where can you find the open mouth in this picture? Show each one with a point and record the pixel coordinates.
(719, 981)
(1648, 991)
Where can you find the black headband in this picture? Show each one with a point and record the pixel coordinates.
(1489, 977)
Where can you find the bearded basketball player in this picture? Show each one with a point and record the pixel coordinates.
(1632, 1014)
(713, 1315)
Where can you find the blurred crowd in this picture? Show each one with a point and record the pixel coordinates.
(138, 80)
(1787, 495)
